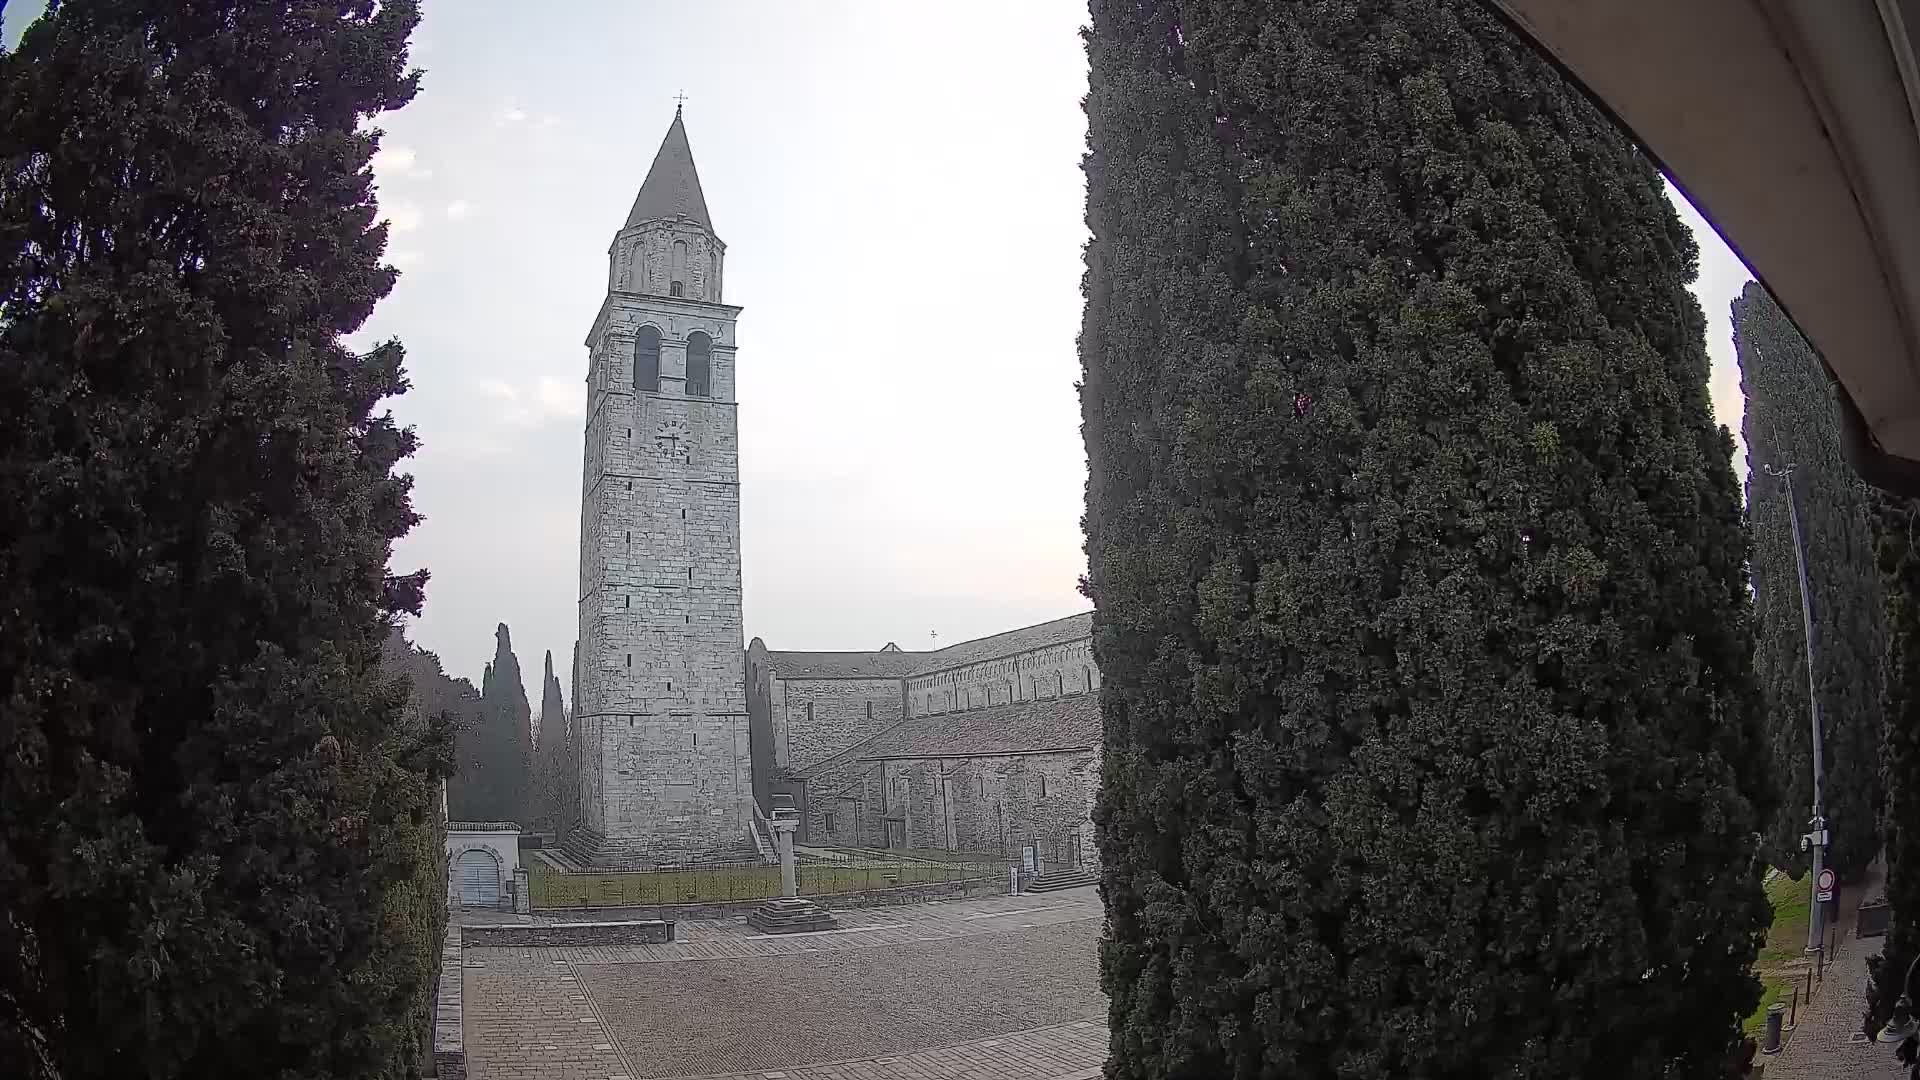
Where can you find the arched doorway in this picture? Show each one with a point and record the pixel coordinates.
(479, 878)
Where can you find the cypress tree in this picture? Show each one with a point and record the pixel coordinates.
(500, 785)
(1793, 419)
(212, 798)
(1897, 547)
(453, 703)
(550, 754)
(1432, 745)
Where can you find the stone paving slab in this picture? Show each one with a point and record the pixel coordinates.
(1002, 989)
(1071, 1051)
(779, 1012)
(531, 1025)
(1826, 1043)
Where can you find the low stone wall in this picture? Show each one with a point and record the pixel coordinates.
(449, 1041)
(543, 935)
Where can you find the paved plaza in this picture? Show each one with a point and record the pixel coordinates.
(1005, 988)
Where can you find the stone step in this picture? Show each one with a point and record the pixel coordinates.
(558, 859)
(791, 915)
(1054, 880)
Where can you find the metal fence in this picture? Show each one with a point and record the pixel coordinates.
(853, 877)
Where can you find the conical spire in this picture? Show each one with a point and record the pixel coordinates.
(672, 186)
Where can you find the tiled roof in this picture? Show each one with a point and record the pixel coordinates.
(1071, 722)
(1057, 632)
(843, 665)
(892, 663)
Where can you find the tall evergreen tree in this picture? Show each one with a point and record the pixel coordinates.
(550, 755)
(453, 702)
(497, 765)
(1897, 545)
(1793, 419)
(211, 794)
(1432, 745)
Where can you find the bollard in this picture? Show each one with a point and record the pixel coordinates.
(1793, 1013)
(1776, 1012)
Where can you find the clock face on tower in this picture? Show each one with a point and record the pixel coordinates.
(672, 438)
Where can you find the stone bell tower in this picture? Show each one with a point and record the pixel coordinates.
(661, 707)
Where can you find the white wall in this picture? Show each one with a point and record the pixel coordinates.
(504, 844)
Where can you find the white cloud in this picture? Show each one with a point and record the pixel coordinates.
(513, 115)
(403, 216)
(458, 209)
(396, 160)
(494, 388)
(546, 400)
(558, 397)
(405, 258)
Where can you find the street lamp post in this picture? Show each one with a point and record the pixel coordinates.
(1815, 841)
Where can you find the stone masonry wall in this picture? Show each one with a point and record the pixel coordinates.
(837, 810)
(449, 1033)
(814, 719)
(665, 770)
(989, 805)
(1038, 673)
(641, 260)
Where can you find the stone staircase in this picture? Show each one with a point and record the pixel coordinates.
(560, 859)
(762, 839)
(1068, 878)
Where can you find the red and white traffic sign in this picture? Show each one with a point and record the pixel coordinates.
(1823, 885)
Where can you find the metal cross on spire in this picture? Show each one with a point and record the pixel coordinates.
(679, 99)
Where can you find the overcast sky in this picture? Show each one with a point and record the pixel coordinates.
(899, 190)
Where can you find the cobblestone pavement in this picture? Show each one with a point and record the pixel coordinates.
(1002, 989)
(535, 1025)
(1061, 1052)
(1826, 1043)
(780, 1011)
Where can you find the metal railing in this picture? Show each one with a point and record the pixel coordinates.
(854, 877)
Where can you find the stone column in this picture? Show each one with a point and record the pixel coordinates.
(783, 839)
(789, 913)
(522, 901)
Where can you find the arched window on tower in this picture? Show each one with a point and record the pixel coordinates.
(646, 360)
(699, 365)
(679, 278)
